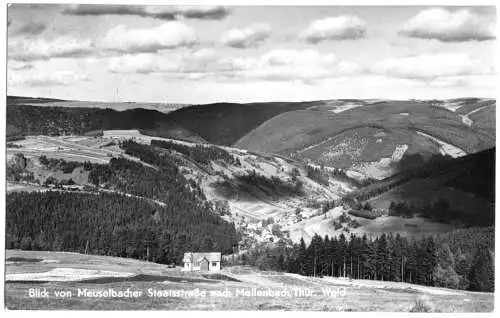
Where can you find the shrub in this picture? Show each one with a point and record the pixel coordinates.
(421, 305)
(336, 225)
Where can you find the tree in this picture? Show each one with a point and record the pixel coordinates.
(482, 274)
(301, 258)
(446, 277)
(383, 258)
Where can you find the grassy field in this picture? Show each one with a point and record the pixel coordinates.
(237, 288)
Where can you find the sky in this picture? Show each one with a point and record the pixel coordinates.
(204, 54)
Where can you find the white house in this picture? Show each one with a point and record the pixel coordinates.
(208, 262)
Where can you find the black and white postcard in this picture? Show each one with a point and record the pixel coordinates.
(256, 157)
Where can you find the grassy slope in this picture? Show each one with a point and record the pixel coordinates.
(360, 295)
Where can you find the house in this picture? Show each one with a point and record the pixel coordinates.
(209, 262)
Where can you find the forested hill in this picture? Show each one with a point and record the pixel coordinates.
(113, 224)
(166, 216)
(445, 189)
(473, 174)
(39, 120)
(219, 123)
(225, 123)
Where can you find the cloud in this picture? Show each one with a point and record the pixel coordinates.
(287, 65)
(157, 12)
(42, 49)
(59, 78)
(30, 28)
(251, 36)
(449, 26)
(18, 66)
(276, 65)
(430, 66)
(143, 63)
(346, 27)
(169, 35)
(173, 63)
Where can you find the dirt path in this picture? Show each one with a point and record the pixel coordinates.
(467, 120)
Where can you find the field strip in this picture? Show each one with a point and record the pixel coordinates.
(467, 120)
(65, 274)
(316, 145)
(445, 148)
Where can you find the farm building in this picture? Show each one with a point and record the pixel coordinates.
(209, 262)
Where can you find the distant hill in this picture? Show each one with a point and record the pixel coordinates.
(54, 121)
(226, 123)
(54, 102)
(361, 137)
(20, 100)
(220, 123)
(368, 136)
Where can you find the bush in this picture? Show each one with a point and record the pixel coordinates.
(354, 224)
(421, 305)
(337, 225)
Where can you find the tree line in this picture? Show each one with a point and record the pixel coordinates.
(461, 259)
(202, 154)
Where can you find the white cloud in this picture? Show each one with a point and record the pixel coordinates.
(345, 27)
(276, 65)
(449, 26)
(429, 66)
(251, 36)
(176, 63)
(143, 63)
(59, 78)
(13, 65)
(41, 49)
(287, 65)
(166, 36)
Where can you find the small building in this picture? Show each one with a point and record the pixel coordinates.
(207, 262)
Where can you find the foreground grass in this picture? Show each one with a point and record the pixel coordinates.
(394, 297)
(356, 299)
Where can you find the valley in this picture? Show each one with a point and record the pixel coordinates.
(295, 175)
(324, 135)
(248, 206)
(221, 157)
